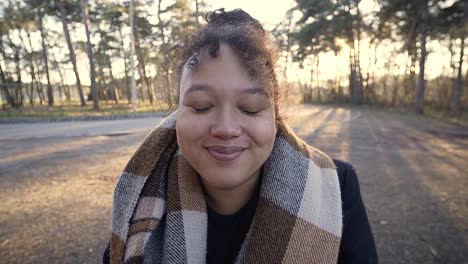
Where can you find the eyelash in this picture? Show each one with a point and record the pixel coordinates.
(251, 113)
(203, 110)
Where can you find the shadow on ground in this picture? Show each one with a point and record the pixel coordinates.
(57, 192)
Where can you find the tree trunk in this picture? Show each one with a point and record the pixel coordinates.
(317, 77)
(12, 94)
(337, 79)
(141, 64)
(62, 82)
(385, 90)
(412, 52)
(452, 55)
(2, 75)
(101, 81)
(50, 95)
(63, 19)
(395, 91)
(115, 93)
(132, 54)
(352, 76)
(40, 92)
(357, 58)
(18, 91)
(127, 80)
(4, 86)
(166, 60)
(458, 88)
(414, 59)
(89, 49)
(32, 69)
(410, 83)
(422, 62)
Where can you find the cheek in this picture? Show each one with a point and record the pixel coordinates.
(189, 131)
(263, 132)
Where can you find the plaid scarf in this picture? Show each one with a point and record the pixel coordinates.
(159, 210)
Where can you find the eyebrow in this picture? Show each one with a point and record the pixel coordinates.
(256, 90)
(198, 87)
(203, 87)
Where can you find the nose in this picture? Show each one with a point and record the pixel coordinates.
(226, 125)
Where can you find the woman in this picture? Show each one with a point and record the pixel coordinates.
(224, 180)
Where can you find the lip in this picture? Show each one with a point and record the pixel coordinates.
(222, 153)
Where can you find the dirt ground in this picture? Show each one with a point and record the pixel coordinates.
(56, 192)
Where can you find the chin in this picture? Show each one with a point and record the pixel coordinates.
(225, 178)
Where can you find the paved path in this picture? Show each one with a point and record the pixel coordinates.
(76, 128)
(56, 182)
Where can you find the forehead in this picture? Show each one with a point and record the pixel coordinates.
(224, 72)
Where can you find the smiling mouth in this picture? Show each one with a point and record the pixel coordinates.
(224, 153)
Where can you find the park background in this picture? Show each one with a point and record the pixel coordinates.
(385, 78)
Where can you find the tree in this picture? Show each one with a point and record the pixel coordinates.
(113, 15)
(14, 88)
(414, 22)
(94, 94)
(452, 23)
(422, 61)
(143, 29)
(24, 22)
(7, 81)
(50, 95)
(458, 88)
(38, 9)
(282, 35)
(323, 22)
(183, 21)
(63, 8)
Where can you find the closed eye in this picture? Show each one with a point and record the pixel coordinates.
(201, 109)
(250, 112)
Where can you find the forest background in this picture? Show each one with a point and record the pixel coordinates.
(77, 57)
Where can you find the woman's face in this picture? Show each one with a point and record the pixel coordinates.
(225, 122)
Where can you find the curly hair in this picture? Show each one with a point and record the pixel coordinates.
(246, 36)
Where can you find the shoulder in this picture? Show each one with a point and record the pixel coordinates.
(346, 173)
(357, 241)
(342, 167)
(349, 183)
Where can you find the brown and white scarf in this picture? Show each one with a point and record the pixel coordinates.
(159, 211)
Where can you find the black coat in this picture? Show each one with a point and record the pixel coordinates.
(357, 242)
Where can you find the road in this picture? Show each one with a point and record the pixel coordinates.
(56, 182)
(76, 129)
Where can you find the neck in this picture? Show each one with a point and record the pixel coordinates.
(227, 201)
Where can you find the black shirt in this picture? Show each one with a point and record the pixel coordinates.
(226, 233)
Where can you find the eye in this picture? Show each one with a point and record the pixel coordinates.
(201, 109)
(250, 112)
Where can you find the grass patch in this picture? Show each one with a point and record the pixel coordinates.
(74, 109)
(462, 119)
(429, 113)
